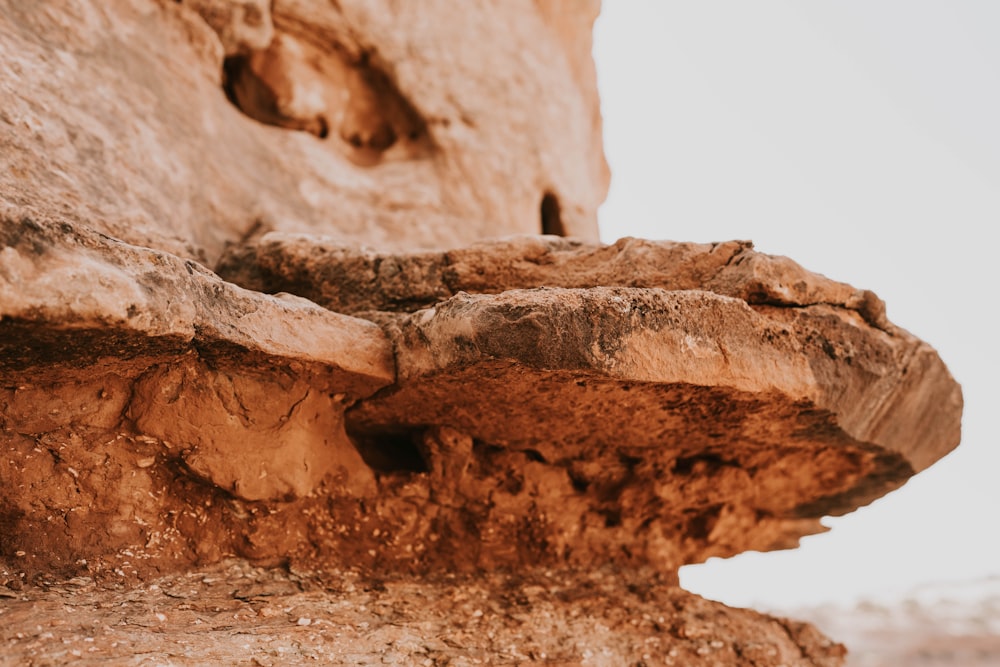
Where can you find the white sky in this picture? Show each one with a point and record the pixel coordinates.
(862, 139)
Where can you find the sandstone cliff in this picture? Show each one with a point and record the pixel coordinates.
(268, 366)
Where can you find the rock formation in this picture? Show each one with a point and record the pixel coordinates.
(476, 448)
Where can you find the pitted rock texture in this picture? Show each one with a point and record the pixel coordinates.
(597, 618)
(655, 426)
(132, 377)
(543, 427)
(187, 125)
(536, 431)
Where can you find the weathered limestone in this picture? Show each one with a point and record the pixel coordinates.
(253, 307)
(437, 125)
(350, 278)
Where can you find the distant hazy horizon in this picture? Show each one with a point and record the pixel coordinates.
(862, 139)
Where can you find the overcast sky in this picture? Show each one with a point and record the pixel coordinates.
(862, 139)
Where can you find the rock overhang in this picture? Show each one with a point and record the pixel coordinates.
(707, 354)
(197, 363)
(697, 401)
(555, 424)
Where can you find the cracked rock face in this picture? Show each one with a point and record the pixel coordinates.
(200, 361)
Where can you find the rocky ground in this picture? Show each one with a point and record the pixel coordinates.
(237, 614)
(234, 613)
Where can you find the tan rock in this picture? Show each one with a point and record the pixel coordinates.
(259, 434)
(667, 425)
(349, 278)
(494, 451)
(243, 26)
(634, 425)
(425, 123)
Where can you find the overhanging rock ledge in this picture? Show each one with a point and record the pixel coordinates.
(296, 349)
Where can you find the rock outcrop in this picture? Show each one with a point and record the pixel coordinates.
(361, 388)
(183, 126)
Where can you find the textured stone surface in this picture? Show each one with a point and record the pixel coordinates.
(349, 278)
(788, 396)
(629, 425)
(779, 326)
(440, 124)
(77, 284)
(479, 452)
(125, 370)
(340, 618)
(667, 426)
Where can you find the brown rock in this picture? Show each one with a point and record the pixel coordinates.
(258, 434)
(597, 617)
(671, 425)
(125, 367)
(633, 425)
(491, 452)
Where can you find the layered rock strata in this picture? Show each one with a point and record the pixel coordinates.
(543, 425)
(478, 411)
(200, 361)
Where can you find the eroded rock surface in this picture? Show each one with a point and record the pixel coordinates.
(351, 278)
(717, 395)
(599, 617)
(497, 452)
(183, 126)
(527, 427)
(545, 426)
(131, 377)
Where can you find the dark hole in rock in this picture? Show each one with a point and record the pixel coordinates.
(255, 98)
(534, 455)
(700, 526)
(552, 216)
(630, 462)
(580, 484)
(322, 128)
(234, 68)
(389, 452)
(699, 463)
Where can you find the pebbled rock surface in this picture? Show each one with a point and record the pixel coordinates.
(339, 617)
